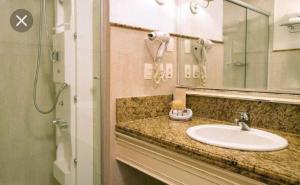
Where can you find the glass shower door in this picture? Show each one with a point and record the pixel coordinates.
(234, 35)
(257, 50)
(246, 44)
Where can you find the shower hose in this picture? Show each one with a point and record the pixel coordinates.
(43, 21)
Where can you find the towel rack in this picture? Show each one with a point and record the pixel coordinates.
(292, 27)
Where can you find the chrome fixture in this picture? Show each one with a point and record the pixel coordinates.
(53, 56)
(196, 4)
(60, 123)
(292, 27)
(243, 121)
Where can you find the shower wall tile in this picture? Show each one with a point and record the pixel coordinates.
(27, 140)
(277, 116)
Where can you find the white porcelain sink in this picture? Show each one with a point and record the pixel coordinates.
(233, 137)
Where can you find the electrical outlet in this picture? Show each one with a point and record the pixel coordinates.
(169, 71)
(196, 71)
(148, 71)
(188, 71)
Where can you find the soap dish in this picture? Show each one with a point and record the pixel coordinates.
(181, 115)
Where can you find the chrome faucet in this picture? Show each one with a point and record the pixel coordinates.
(60, 123)
(243, 121)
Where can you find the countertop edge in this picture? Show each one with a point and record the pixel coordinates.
(226, 164)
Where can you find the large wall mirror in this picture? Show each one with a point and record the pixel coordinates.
(245, 45)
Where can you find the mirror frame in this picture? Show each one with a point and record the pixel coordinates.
(279, 92)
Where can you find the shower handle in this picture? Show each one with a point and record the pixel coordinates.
(54, 56)
(60, 123)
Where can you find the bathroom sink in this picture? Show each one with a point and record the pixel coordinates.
(232, 137)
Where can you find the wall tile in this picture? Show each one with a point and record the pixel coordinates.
(27, 140)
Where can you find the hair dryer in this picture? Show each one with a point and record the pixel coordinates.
(199, 48)
(161, 37)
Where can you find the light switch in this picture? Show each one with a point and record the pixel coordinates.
(169, 71)
(187, 46)
(148, 71)
(171, 45)
(196, 71)
(187, 71)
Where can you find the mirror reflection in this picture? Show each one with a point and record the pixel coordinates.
(259, 47)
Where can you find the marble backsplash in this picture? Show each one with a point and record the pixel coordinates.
(277, 116)
(134, 108)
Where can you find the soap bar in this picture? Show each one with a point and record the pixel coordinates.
(178, 105)
(180, 94)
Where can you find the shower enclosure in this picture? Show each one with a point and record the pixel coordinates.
(49, 51)
(246, 45)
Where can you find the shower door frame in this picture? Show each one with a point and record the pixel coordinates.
(248, 6)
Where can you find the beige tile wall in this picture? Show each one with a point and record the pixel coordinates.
(128, 55)
(27, 139)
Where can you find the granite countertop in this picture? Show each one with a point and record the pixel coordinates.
(278, 167)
